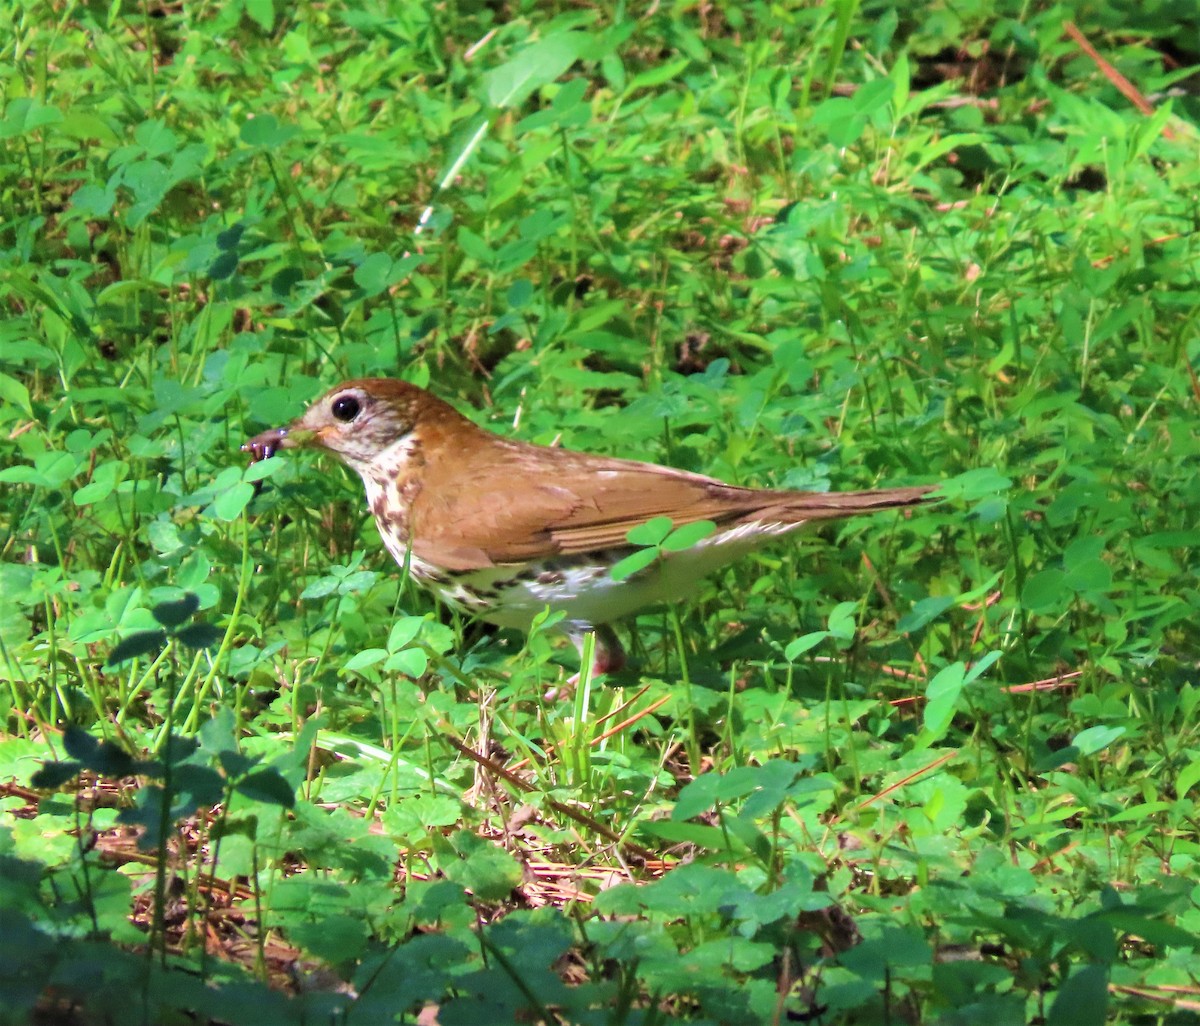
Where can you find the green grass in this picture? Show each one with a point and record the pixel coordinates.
(940, 768)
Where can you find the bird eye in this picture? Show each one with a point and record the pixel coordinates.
(345, 408)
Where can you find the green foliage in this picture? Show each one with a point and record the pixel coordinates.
(939, 767)
(657, 537)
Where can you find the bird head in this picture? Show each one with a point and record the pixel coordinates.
(356, 421)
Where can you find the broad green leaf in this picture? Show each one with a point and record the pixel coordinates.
(404, 630)
(265, 132)
(412, 662)
(685, 537)
(363, 660)
(1188, 777)
(631, 564)
(79, 744)
(1096, 739)
(802, 644)
(230, 504)
(972, 485)
(1090, 576)
(356, 582)
(137, 644)
(373, 275)
(52, 775)
(656, 76)
(941, 701)
(172, 614)
(1083, 998)
(1046, 590)
(485, 869)
(533, 66)
(262, 13)
(269, 786)
(321, 587)
(200, 635)
(15, 395)
(674, 832)
(843, 620)
(24, 115)
(923, 612)
(982, 666)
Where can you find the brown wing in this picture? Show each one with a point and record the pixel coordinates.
(505, 502)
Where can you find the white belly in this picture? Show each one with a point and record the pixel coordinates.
(585, 591)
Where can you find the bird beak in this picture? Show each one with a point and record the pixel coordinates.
(265, 444)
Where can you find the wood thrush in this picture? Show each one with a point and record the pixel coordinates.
(502, 529)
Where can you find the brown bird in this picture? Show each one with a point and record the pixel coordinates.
(503, 529)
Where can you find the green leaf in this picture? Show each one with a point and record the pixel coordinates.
(229, 239)
(224, 266)
(357, 582)
(373, 275)
(941, 703)
(657, 75)
(982, 666)
(487, 871)
(1188, 777)
(52, 775)
(474, 246)
(229, 504)
(697, 796)
(269, 786)
(363, 660)
(520, 293)
(404, 630)
(16, 395)
(412, 662)
(1096, 739)
(923, 612)
(735, 953)
(262, 13)
(700, 834)
(652, 532)
(1148, 929)
(1046, 590)
(973, 485)
(139, 643)
(79, 744)
(111, 760)
(802, 644)
(200, 635)
(25, 115)
(1083, 998)
(843, 621)
(685, 537)
(172, 614)
(631, 564)
(321, 587)
(95, 491)
(265, 132)
(1091, 576)
(532, 67)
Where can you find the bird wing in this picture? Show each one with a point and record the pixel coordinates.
(548, 502)
(574, 504)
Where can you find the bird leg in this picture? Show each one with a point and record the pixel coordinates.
(607, 654)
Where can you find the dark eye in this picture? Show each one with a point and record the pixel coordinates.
(345, 408)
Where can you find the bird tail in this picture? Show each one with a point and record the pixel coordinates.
(794, 507)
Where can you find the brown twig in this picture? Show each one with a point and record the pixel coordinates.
(1124, 86)
(906, 780)
(561, 808)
